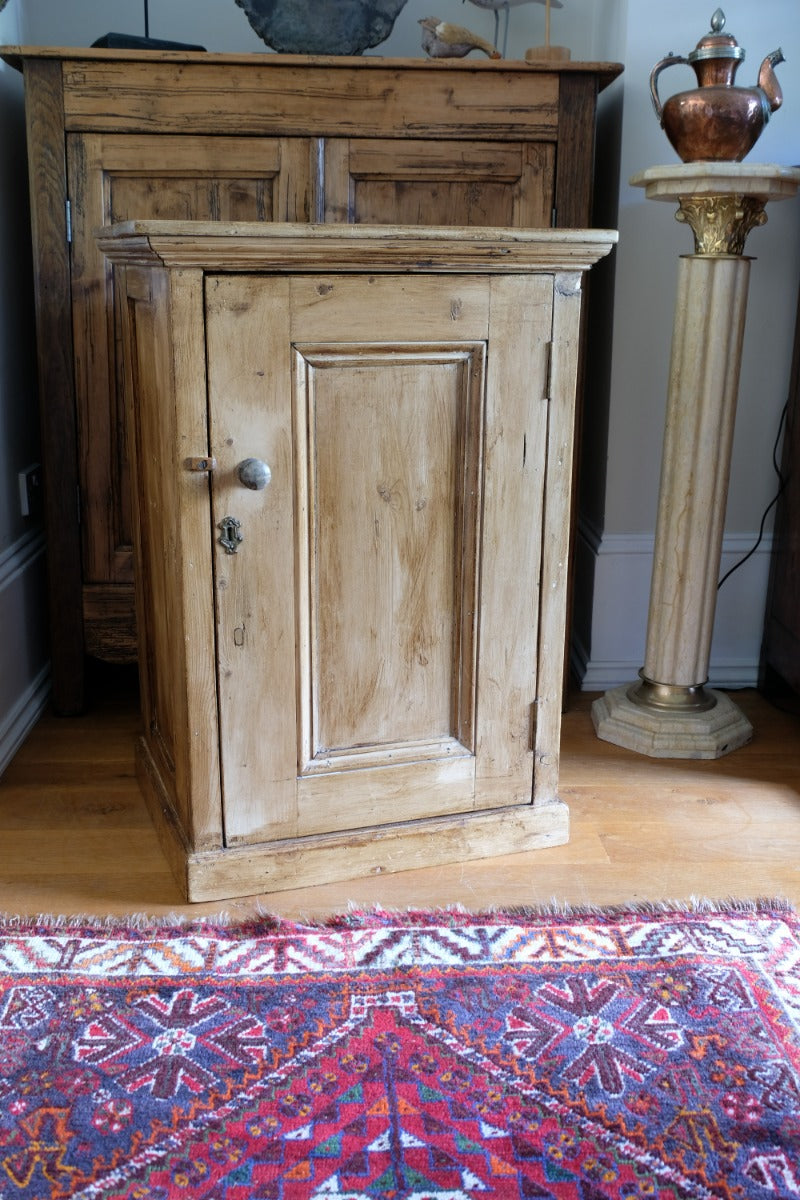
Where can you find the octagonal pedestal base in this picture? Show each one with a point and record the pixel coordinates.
(660, 734)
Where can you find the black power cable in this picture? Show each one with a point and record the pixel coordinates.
(781, 488)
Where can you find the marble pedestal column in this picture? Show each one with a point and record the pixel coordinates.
(670, 712)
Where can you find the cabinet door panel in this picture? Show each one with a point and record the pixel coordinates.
(392, 457)
(377, 629)
(120, 177)
(413, 182)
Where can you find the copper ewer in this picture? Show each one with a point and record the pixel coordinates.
(717, 121)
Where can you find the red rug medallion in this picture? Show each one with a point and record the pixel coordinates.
(419, 1056)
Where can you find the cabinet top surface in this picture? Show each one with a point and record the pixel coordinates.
(16, 56)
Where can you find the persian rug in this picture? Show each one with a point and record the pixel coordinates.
(414, 1056)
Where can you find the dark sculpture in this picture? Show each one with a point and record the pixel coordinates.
(322, 26)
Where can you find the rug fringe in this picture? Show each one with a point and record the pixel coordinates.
(562, 909)
(263, 921)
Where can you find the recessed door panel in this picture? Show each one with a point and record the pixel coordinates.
(408, 181)
(361, 681)
(392, 458)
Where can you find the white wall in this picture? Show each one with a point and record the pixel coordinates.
(23, 643)
(625, 421)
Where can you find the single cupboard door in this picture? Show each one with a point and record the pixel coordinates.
(377, 599)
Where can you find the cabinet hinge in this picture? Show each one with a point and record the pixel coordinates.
(78, 501)
(533, 722)
(68, 215)
(554, 218)
(548, 374)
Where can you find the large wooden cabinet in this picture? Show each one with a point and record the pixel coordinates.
(119, 135)
(352, 454)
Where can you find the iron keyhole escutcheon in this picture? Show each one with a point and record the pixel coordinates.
(231, 536)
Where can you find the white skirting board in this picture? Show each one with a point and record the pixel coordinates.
(25, 674)
(612, 593)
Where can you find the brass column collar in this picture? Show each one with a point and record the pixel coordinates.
(721, 223)
(671, 697)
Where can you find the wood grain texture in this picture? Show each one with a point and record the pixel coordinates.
(109, 622)
(305, 96)
(215, 246)
(374, 181)
(577, 98)
(555, 551)
(250, 415)
(59, 447)
(77, 837)
(167, 424)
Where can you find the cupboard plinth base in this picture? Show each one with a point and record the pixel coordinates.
(226, 873)
(662, 734)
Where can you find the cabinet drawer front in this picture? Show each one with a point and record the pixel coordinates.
(377, 626)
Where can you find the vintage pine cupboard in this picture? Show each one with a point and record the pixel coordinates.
(351, 450)
(119, 134)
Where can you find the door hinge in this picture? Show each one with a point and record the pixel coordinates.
(68, 215)
(548, 372)
(533, 723)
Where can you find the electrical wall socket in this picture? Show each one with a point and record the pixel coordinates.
(30, 491)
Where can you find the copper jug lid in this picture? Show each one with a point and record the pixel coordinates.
(716, 44)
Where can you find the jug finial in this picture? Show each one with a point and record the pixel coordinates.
(717, 21)
(716, 44)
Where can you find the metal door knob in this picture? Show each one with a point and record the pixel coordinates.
(254, 474)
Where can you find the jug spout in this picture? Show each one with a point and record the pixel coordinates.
(768, 80)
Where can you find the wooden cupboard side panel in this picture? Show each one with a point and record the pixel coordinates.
(567, 303)
(415, 182)
(166, 408)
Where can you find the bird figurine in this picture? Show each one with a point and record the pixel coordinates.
(440, 39)
(506, 6)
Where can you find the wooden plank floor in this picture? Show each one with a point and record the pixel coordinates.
(75, 837)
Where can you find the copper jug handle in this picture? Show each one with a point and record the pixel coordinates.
(669, 61)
